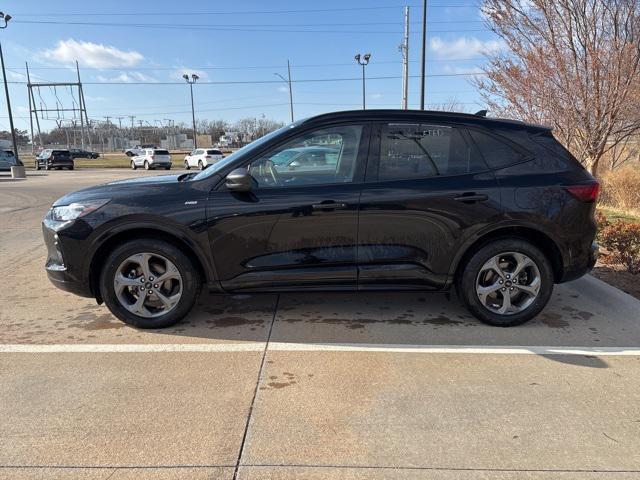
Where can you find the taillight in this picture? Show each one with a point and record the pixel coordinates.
(586, 193)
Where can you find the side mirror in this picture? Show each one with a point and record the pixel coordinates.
(239, 180)
(293, 165)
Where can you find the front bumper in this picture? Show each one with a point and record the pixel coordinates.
(59, 273)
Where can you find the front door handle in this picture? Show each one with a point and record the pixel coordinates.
(328, 205)
(471, 197)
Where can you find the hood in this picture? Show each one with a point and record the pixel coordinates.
(140, 186)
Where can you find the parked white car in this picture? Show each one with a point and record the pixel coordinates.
(152, 158)
(202, 158)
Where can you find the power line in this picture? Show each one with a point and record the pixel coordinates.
(249, 82)
(229, 29)
(249, 67)
(236, 12)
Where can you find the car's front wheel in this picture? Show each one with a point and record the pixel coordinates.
(133, 165)
(200, 165)
(149, 283)
(146, 165)
(186, 165)
(506, 282)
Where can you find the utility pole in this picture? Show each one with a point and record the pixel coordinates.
(120, 121)
(290, 88)
(17, 170)
(132, 117)
(364, 61)
(191, 80)
(404, 48)
(424, 52)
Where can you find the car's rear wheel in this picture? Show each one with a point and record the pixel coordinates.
(149, 283)
(133, 165)
(146, 165)
(200, 165)
(506, 282)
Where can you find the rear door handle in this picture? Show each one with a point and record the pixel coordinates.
(329, 205)
(471, 198)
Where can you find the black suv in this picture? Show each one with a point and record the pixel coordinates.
(58, 159)
(413, 200)
(81, 153)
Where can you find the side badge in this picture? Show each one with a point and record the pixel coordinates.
(191, 202)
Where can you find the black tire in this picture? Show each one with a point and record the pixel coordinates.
(146, 165)
(168, 168)
(190, 287)
(133, 165)
(200, 165)
(46, 166)
(71, 167)
(186, 165)
(37, 166)
(468, 274)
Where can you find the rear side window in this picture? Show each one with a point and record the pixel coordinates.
(421, 150)
(496, 153)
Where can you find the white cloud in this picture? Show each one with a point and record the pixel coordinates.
(377, 96)
(464, 47)
(127, 77)
(461, 70)
(90, 54)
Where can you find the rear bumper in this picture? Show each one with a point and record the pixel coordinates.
(582, 263)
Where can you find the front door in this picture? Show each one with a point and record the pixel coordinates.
(297, 228)
(427, 192)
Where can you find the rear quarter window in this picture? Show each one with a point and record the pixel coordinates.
(496, 153)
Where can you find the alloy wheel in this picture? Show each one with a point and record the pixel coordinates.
(148, 285)
(508, 283)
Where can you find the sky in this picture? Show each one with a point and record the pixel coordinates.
(132, 56)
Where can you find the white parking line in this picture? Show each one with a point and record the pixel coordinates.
(321, 347)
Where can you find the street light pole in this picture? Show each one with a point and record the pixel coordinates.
(364, 61)
(290, 88)
(17, 171)
(424, 52)
(191, 80)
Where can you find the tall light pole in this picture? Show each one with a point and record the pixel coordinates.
(364, 61)
(290, 89)
(191, 80)
(17, 171)
(424, 52)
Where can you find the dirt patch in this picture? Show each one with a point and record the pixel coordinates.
(616, 276)
(553, 320)
(93, 322)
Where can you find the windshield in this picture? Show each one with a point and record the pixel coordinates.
(216, 167)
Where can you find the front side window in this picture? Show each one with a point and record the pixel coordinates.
(417, 150)
(325, 156)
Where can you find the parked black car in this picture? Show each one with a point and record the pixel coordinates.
(58, 159)
(417, 200)
(80, 153)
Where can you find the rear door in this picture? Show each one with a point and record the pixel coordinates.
(294, 229)
(427, 190)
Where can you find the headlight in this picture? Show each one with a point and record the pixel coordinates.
(66, 213)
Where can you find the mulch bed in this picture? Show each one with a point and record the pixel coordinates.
(616, 275)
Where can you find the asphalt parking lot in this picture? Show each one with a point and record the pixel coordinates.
(291, 386)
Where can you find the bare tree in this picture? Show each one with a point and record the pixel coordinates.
(574, 64)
